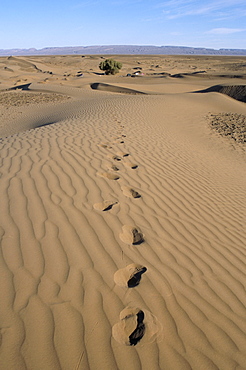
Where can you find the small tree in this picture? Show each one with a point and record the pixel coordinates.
(110, 66)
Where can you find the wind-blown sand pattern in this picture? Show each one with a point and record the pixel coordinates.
(65, 297)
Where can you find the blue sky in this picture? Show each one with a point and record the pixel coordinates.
(197, 23)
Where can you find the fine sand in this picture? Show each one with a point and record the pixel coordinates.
(123, 214)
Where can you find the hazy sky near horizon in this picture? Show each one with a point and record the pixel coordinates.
(197, 23)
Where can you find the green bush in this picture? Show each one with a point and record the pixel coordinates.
(110, 66)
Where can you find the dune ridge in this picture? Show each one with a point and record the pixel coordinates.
(115, 89)
(237, 92)
(73, 294)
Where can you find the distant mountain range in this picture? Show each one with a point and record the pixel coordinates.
(122, 49)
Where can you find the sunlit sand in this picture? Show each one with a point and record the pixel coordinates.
(123, 213)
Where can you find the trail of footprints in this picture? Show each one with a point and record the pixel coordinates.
(131, 328)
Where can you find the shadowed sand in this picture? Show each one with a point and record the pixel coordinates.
(129, 276)
(237, 92)
(106, 205)
(123, 221)
(115, 89)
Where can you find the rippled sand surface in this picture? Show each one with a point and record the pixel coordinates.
(123, 217)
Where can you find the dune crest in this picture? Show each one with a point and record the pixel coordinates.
(237, 92)
(114, 89)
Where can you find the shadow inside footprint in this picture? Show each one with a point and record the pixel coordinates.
(129, 276)
(138, 333)
(131, 235)
(134, 193)
(105, 146)
(135, 279)
(110, 176)
(137, 236)
(105, 205)
(114, 168)
(116, 158)
(129, 192)
(136, 325)
(123, 154)
(108, 208)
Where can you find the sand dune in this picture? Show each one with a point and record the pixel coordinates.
(21, 63)
(112, 88)
(237, 92)
(123, 224)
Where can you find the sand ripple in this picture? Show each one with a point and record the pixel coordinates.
(60, 250)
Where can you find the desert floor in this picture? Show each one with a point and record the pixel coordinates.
(123, 213)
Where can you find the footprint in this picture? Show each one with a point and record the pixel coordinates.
(131, 328)
(109, 175)
(138, 333)
(106, 205)
(129, 276)
(114, 168)
(131, 165)
(129, 192)
(115, 157)
(105, 146)
(131, 235)
(136, 325)
(123, 154)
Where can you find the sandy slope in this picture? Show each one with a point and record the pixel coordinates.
(122, 230)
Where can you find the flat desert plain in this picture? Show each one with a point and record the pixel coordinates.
(123, 213)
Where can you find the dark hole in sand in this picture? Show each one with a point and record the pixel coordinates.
(109, 207)
(137, 237)
(138, 333)
(135, 279)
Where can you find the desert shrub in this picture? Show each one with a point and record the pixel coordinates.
(110, 66)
